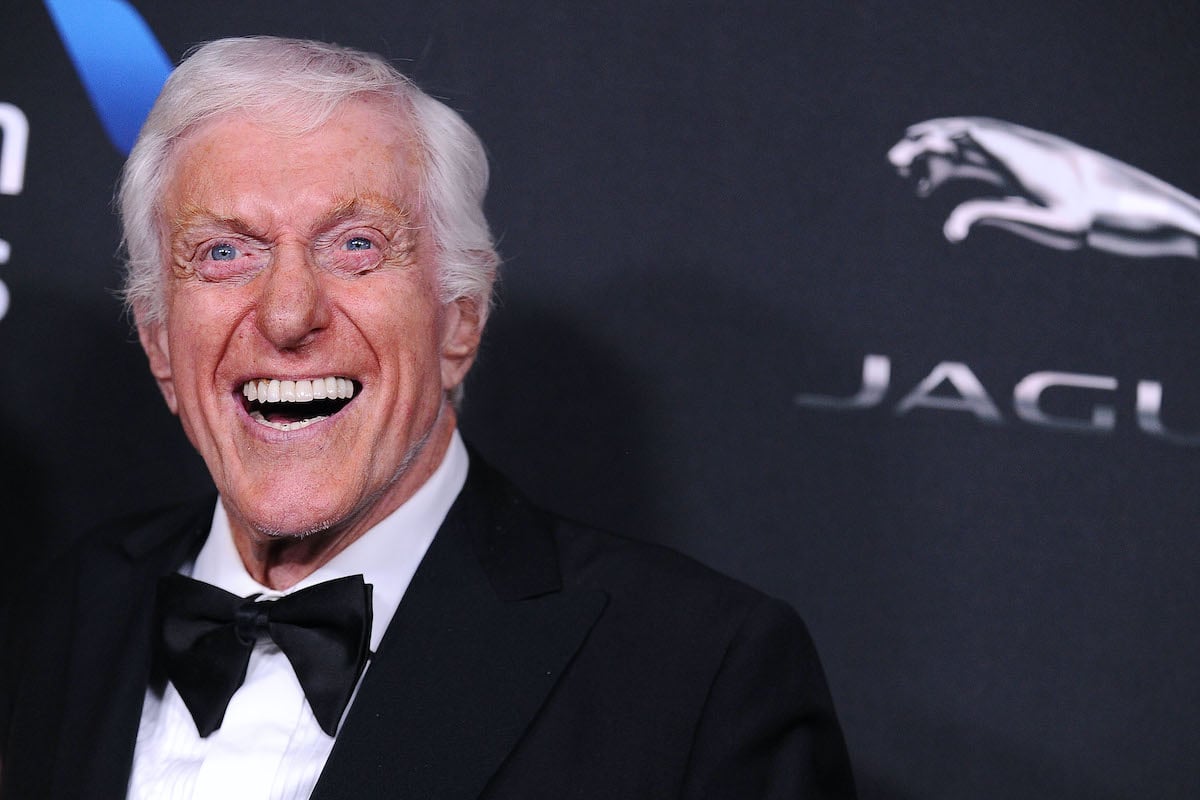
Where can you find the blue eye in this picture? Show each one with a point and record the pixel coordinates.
(223, 252)
(359, 243)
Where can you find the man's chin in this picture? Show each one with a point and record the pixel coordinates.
(259, 529)
(280, 520)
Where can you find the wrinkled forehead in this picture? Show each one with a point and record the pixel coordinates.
(368, 137)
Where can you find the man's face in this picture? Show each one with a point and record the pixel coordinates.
(299, 268)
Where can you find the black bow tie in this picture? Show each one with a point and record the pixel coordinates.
(208, 634)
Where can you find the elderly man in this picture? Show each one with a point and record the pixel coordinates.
(367, 610)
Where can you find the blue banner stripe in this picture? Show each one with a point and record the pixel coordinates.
(121, 64)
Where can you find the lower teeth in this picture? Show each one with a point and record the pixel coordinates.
(283, 426)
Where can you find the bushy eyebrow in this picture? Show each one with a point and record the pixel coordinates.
(368, 206)
(192, 216)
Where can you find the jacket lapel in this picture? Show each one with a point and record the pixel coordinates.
(112, 651)
(484, 632)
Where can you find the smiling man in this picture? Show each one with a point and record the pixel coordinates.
(367, 609)
(304, 341)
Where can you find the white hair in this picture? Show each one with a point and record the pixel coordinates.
(295, 85)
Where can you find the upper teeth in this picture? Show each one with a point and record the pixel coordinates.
(302, 391)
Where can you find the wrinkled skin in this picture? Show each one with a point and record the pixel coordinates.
(295, 258)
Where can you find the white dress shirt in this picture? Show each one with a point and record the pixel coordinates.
(269, 746)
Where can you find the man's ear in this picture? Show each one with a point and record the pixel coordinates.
(460, 342)
(153, 336)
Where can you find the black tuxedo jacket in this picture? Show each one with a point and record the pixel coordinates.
(530, 658)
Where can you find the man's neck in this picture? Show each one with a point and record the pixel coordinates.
(280, 562)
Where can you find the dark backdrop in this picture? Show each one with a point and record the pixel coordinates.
(702, 232)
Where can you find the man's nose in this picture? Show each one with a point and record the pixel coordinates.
(293, 306)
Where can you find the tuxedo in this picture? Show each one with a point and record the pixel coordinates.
(531, 657)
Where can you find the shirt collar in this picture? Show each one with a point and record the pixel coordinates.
(386, 556)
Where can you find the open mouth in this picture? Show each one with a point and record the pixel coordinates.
(287, 405)
(919, 171)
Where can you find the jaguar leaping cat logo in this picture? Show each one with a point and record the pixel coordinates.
(1052, 191)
